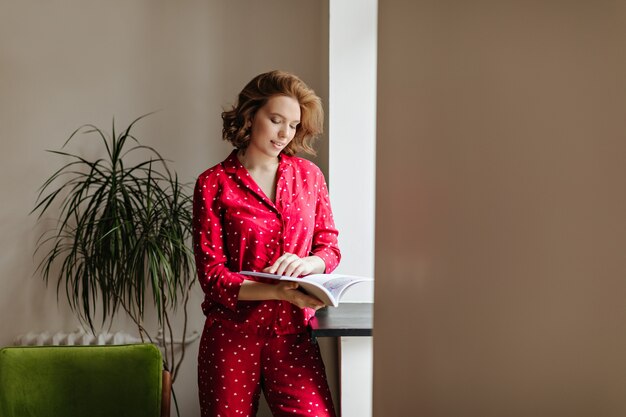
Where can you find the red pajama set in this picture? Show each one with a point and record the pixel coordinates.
(247, 346)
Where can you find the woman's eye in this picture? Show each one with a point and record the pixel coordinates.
(293, 127)
(275, 121)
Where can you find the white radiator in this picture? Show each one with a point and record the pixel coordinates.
(81, 337)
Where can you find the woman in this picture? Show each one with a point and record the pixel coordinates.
(262, 209)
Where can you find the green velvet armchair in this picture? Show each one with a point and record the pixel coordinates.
(81, 381)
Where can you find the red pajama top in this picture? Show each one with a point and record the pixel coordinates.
(238, 228)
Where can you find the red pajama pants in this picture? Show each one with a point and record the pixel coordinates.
(233, 367)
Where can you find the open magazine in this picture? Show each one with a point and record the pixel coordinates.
(328, 288)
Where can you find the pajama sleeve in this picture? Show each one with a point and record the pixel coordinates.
(325, 234)
(217, 281)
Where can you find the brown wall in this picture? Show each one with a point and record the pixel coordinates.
(501, 209)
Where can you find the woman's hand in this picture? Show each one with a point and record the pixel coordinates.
(293, 266)
(288, 291)
(283, 290)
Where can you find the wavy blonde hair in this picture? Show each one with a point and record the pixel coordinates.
(237, 121)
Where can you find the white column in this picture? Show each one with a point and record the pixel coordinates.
(352, 133)
(351, 171)
(356, 376)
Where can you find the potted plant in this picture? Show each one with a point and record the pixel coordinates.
(121, 240)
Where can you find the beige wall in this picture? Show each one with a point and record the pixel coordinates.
(501, 204)
(66, 63)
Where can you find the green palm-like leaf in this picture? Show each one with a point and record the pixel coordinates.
(122, 230)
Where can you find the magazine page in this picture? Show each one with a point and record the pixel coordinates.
(335, 284)
(327, 287)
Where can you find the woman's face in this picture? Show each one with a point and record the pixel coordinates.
(274, 125)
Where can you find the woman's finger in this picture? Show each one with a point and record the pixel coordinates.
(274, 267)
(292, 268)
(289, 285)
(283, 264)
(282, 267)
(298, 268)
(304, 300)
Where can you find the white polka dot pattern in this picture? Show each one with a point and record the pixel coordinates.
(232, 367)
(236, 227)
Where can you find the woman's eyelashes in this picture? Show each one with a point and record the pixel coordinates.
(278, 121)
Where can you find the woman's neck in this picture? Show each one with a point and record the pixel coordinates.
(254, 161)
